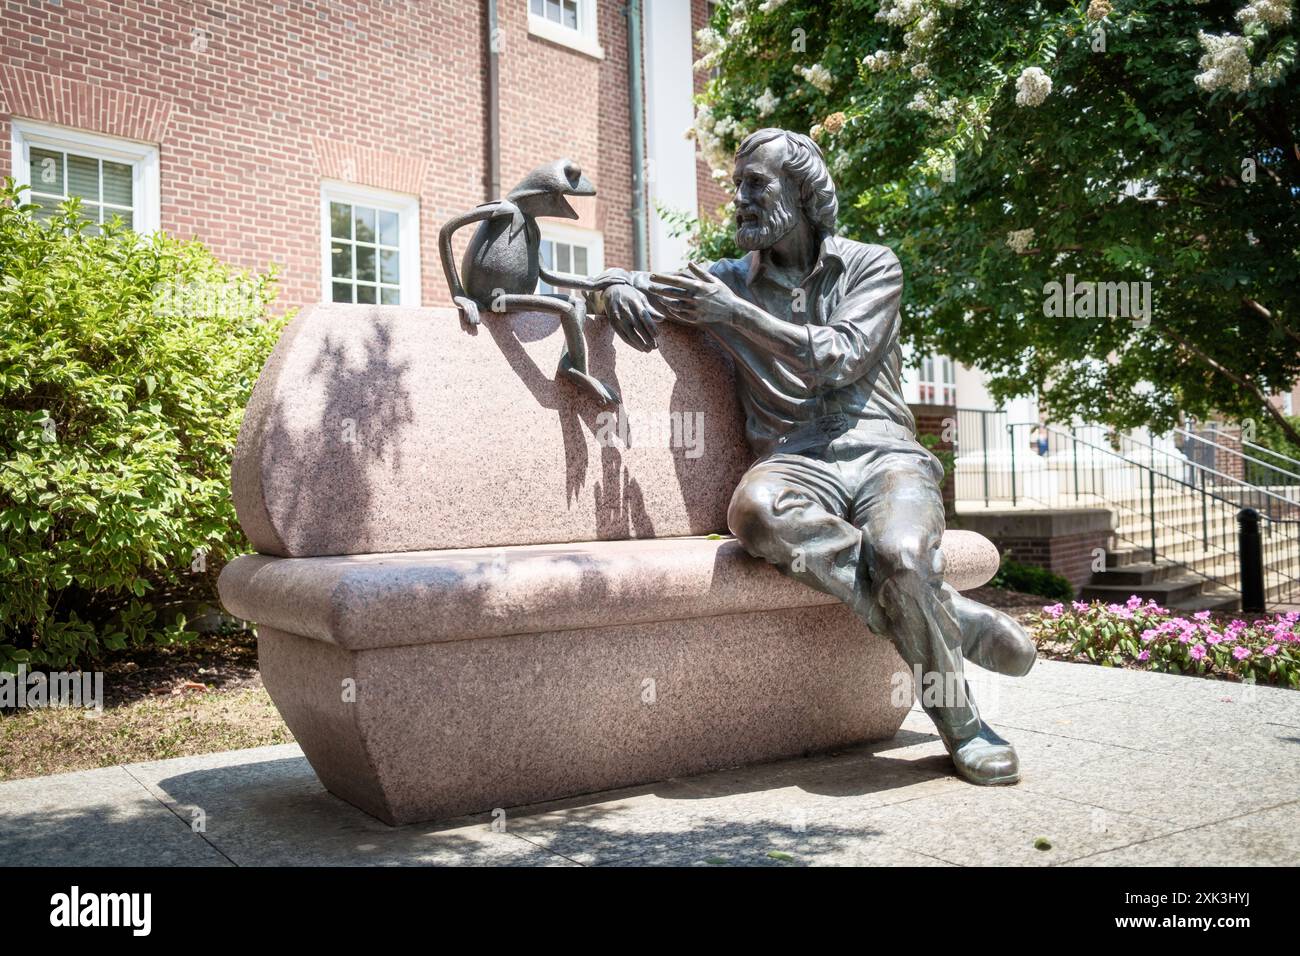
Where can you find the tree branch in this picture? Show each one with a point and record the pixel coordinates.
(1242, 382)
(1272, 320)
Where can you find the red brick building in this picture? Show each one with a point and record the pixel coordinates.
(261, 127)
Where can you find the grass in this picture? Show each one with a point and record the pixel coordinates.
(44, 741)
(159, 703)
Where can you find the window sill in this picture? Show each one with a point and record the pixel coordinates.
(546, 30)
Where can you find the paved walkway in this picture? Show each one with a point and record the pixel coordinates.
(1120, 768)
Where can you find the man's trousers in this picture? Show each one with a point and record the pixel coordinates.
(863, 521)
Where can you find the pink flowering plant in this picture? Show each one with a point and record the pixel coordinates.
(1142, 634)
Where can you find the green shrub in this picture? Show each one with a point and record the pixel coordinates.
(125, 365)
(1032, 580)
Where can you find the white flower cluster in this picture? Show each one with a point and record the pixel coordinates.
(817, 75)
(1226, 62)
(921, 20)
(880, 60)
(923, 101)
(767, 6)
(1020, 241)
(767, 103)
(1100, 9)
(1272, 13)
(711, 44)
(709, 134)
(1032, 87)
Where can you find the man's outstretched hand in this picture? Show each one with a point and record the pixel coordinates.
(630, 313)
(695, 297)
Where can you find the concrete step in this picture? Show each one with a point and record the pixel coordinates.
(1137, 574)
(1165, 593)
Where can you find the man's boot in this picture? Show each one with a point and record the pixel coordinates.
(983, 758)
(991, 639)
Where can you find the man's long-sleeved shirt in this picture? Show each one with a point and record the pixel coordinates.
(848, 373)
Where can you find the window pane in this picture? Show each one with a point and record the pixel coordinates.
(580, 260)
(83, 177)
(389, 269)
(341, 261)
(366, 294)
(389, 296)
(46, 172)
(537, 7)
(342, 292)
(117, 184)
(562, 257)
(571, 14)
(548, 255)
(553, 10)
(365, 262)
(48, 209)
(125, 215)
(365, 223)
(341, 222)
(388, 228)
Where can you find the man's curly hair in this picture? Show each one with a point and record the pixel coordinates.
(803, 161)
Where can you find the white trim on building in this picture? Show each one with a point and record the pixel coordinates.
(143, 159)
(407, 246)
(571, 23)
(670, 112)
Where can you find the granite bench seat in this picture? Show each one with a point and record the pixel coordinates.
(386, 600)
(469, 597)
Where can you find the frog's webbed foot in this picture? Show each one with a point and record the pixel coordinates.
(595, 386)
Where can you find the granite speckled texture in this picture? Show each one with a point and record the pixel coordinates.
(384, 600)
(453, 727)
(527, 605)
(379, 428)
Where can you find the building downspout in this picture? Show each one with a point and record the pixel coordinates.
(636, 96)
(493, 103)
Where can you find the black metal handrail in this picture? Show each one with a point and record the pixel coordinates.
(1197, 527)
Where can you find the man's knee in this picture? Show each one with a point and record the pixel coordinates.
(909, 558)
(752, 517)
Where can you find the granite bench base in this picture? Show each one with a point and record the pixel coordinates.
(426, 685)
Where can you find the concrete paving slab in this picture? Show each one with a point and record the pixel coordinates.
(265, 807)
(94, 818)
(1263, 838)
(1119, 768)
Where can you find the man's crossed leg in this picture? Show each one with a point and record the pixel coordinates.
(865, 526)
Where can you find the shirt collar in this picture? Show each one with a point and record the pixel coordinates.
(831, 248)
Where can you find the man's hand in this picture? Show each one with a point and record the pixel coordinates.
(630, 313)
(695, 297)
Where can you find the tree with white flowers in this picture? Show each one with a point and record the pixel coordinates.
(1001, 147)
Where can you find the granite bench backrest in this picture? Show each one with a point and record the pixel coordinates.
(378, 429)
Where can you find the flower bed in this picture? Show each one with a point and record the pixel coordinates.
(1144, 635)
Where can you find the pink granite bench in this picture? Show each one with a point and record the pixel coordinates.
(471, 593)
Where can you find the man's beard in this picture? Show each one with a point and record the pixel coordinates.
(769, 229)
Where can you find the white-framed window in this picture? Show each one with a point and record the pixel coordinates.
(111, 176)
(370, 245)
(936, 381)
(570, 249)
(568, 22)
